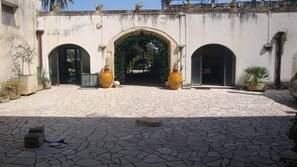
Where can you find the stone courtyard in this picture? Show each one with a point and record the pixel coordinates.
(200, 127)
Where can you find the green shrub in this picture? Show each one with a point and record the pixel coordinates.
(256, 74)
(292, 134)
(11, 84)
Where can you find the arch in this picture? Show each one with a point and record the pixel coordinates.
(213, 64)
(67, 62)
(173, 48)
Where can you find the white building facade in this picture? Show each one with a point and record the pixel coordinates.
(18, 25)
(214, 46)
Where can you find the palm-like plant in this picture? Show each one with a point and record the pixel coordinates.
(50, 3)
(167, 3)
(256, 74)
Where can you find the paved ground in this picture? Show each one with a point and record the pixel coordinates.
(199, 127)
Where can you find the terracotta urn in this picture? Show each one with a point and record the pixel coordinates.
(105, 78)
(174, 79)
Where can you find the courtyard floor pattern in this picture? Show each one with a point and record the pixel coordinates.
(217, 127)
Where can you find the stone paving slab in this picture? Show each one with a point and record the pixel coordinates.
(199, 127)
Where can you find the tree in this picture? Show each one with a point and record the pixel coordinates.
(50, 3)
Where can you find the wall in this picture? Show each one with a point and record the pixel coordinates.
(244, 33)
(24, 31)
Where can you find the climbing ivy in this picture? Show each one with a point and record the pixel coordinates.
(129, 49)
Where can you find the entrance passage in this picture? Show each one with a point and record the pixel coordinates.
(67, 63)
(141, 60)
(213, 64)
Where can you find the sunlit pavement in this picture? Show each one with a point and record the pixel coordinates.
(217, 127)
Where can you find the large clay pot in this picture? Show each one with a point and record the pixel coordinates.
(257, 87)
(105, 78)
(174, 79)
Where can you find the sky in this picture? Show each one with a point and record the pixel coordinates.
(85, 5)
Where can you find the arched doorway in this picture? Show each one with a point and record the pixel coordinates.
(141, 59)
(213, 64)
(67, 63)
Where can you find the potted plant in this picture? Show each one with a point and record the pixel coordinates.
(55, 7)
(255, 79)
(187, 4)
(138, 7)
(283, 3)
(45, 81)
(24, 54)
(175, 78)
(99, 7)
(4, 96)
(167, 3)
(233, 4)
(11, 88)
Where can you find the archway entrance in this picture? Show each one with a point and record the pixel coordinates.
(213, 64)
(141, 59)
(67, 63)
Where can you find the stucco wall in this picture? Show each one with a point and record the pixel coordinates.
(24, 31)
(243, 33)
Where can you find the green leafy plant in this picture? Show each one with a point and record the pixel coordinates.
(11, 84)
(139, 5)
(256, 74)
(167, 3)
(42, 76)
(99, 6)
(126, 52)
(187, 4)
(292, 134)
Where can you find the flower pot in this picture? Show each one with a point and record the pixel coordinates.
(174, 79)
(46, 84)
(28, 85)
(14, 94)
(257, 87)
(40, 87)
(4, 96)
(4, 99)
(105, 78)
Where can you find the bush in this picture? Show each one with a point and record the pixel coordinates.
(256, 74)
(11, 84)
(292, 134)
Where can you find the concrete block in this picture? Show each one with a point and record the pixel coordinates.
(33, 140)
(150, 122)
(35, 137)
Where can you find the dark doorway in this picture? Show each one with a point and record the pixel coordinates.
(213, 64)
(67, 63)
(141, 60)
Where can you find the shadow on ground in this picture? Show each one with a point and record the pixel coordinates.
(99, 141)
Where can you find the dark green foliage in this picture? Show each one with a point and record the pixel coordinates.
(292, 134)
(134, 46)
(256, 74)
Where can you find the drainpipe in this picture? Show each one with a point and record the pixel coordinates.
(39, 34)
(182, 42)
(280, 40)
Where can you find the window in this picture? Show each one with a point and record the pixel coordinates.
(8, 15)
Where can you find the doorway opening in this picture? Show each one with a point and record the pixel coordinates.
(213, 64)
(67, 63)
(141, 59)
